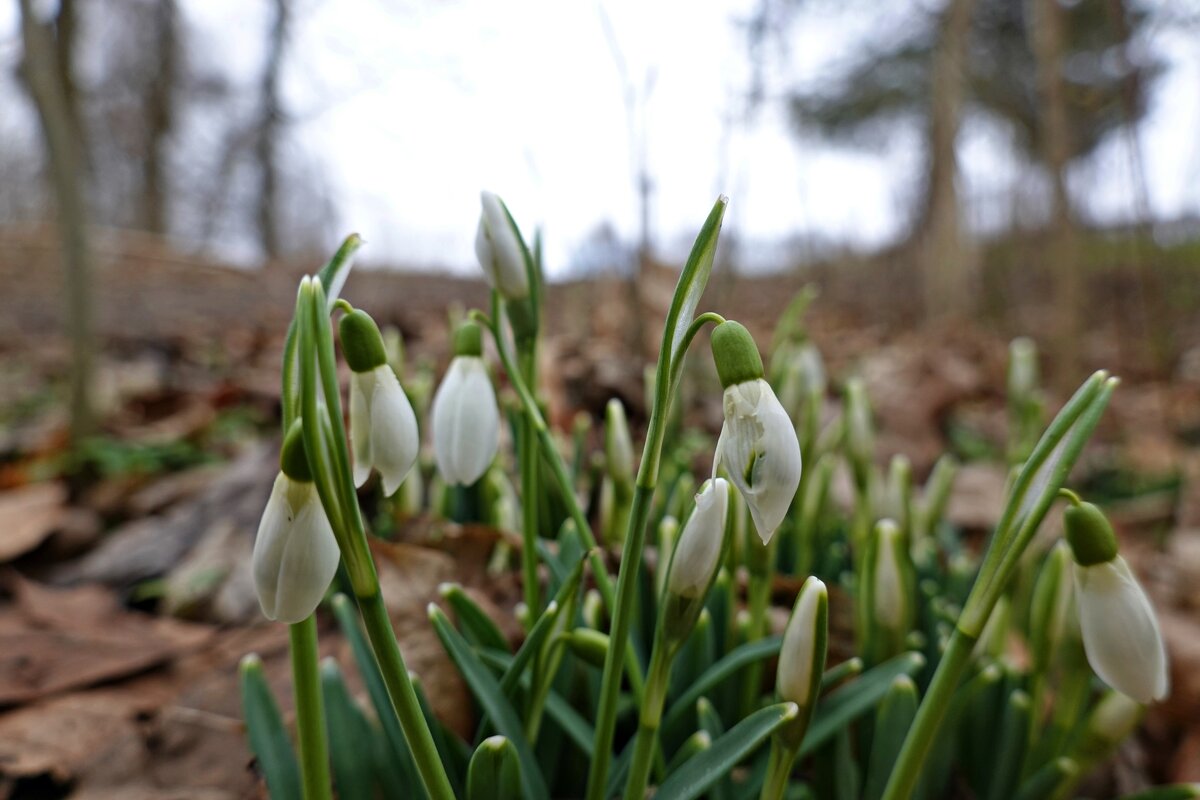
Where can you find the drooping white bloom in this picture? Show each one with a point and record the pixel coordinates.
(698, 550)
(295, 552)
(759, 449)
(499, 251)
(1120, 631)
(383, 427)
(466, 421)
(802, 655)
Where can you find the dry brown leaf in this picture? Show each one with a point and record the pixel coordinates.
(28, 515)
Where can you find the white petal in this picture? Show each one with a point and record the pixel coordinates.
(507, 263)
(362, 387)
(295, 552)
(309, 561)
(466, 422)
(269, 543)
(394, 436)
(759, 448)
(797, 654)
(699, 547)
(1120, 632)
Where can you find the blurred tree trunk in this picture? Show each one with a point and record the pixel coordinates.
(270, 127)
(947, 259)
(58, 116)
(1047, 38)
(160, 114)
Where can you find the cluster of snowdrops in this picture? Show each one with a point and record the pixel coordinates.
(653, 674)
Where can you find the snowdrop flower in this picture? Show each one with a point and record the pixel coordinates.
(383, 427)
(500, 251)
(295, 552)
(802, 655)
(758, 445)
(698, 549)
(618, 444)
(465, 419)
(1120, 632)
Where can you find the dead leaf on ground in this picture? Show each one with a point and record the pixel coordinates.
(28, 515)
(53, 641)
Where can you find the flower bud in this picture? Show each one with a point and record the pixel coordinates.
(758, 445)
(886, 586)
(802, 655)
(1120, 631)
(465, 418)
(860, 432)
(295, 552)
(383, 427)
(698, 551)
(618, 444)
(499, 249)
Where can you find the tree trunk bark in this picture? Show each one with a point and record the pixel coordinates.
(269, 129)
(947, 260)
(160, 115)
(1068, 284)
(60, 129)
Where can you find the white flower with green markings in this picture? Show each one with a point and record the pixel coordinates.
(465, 418)
(383, 427)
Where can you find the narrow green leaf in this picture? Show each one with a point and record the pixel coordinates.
(477, 626)
(495, 771)
(710, 723)
(491, 698)
(1179, 791)
(571, 721)
(895, 716)
(372, 678)
(264, 728)
(694, 745)
(1043, 784)
(693, 280)
(541, 629)
(1014, 735)
(349, 737)
(716, 674)
(693, 778)
(848, 702)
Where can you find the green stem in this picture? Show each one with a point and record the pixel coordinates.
(666, 378)
(404, 697)
(329, 457)
(779, 769)
(649, 721)
(529, 515)
(933, 708)
(310, 719)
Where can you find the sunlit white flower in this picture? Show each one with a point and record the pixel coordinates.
(698, 549)
(466, 421)
(383, 427)
(1120, 632)
(802, 655)
(295, 553)
(500, 252)
(759, 449)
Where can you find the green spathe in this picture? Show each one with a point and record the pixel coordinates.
(1090, 535)
(293, 460)
(735, 354)
(362, 344)
(468, 339)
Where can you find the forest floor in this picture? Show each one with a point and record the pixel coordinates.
(125, 598)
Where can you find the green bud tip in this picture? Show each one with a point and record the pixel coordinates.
(1090, 535)
(735, 354)
(468, 339)
(362, 343)
(293, 459)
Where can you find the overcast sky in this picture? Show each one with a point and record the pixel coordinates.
(411, 108)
